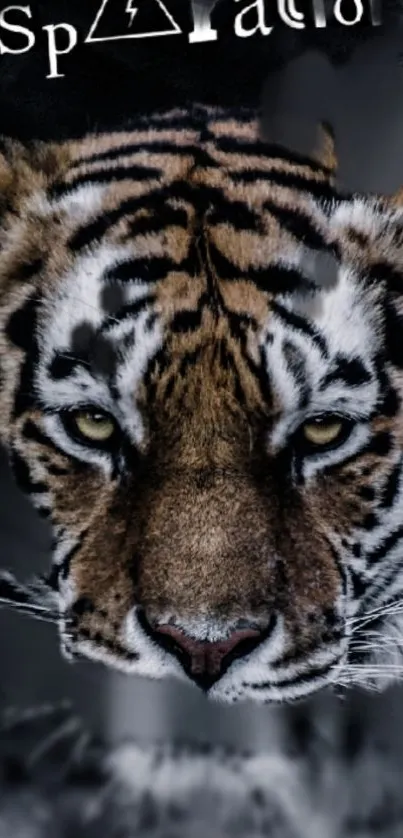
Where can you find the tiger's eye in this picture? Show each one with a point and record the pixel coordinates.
(322, 433)
(98, 427)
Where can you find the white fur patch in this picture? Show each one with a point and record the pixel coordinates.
(347, 321)
(77, 301)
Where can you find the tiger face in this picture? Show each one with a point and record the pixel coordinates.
(201, 388)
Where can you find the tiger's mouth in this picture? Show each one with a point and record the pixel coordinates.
(225, 660)
(235, 671)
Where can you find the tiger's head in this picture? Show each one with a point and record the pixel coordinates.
(201, 381)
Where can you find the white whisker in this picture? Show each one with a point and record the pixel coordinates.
(390, 612)
(387, 608)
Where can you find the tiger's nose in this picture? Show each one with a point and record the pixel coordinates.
(206, 661)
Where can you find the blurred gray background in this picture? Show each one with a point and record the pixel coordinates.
(364, 101)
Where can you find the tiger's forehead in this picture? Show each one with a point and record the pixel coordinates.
(120, 344)
(197, 196)
(170, 247)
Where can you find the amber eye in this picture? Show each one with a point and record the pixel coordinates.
(93, 425)
(324, 432)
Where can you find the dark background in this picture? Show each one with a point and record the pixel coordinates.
(352, 78)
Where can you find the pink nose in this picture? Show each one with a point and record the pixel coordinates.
(208, 659)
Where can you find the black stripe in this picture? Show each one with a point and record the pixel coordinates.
(236, 213)
(22, 475)
(261, 375)
(160, 361)
(83, 605)
(118, 649)
(150, 321)
(384, 272)
(292, 680)
(127, 149)
(21, 326)
(56, 471)
(159, 222)
(300, 325)
(21, 330)
(369, 522)
(155, 200)
(298, 224)
(110, 645)
(290, 180)
(380, 445)
(148, 147)
(350, 371)
(223, 354)
(186, 321)
(275, 279)
(384, 547)
(296, 367)
(26, 270)
(389, 405)
(33, 433)
(188, 360)
(393, 334)
(200, 196)
(359, 585)
(63, 569)
(131, 310)
(392, 486)
(147, 270)
(239, 324)
(117, 173)
(367, 493)
(279, 279)
(268, 151)
(61, 366)
(96, 229)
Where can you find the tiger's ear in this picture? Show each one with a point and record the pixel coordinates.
(325, 150)
(311, 140)
(297, 102)
(397, 198)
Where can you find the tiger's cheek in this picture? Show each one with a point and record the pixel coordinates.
(71, 493)
(352, 493)
(78, 491)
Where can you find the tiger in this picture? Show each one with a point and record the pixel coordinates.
(201, 390)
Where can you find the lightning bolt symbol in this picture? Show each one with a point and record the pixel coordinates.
(131, 11)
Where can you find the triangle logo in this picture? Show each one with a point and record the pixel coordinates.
(136, 19)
